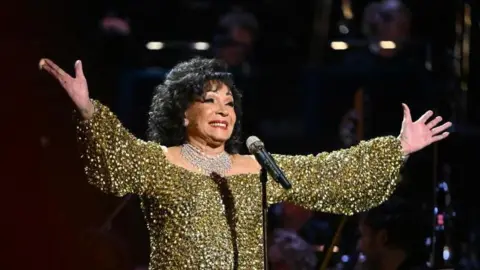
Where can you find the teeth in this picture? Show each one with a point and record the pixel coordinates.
(218, 125)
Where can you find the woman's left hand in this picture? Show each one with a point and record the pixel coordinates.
(417, 135)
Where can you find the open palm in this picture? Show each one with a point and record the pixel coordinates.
(76, 87)
(421, 133)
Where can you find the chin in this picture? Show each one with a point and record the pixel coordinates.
(220, 137)
(220, 140)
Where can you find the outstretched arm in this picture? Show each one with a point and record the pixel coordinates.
(359, 178)
(115, 161)
(342, 182)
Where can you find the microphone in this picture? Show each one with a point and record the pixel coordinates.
(257, 148)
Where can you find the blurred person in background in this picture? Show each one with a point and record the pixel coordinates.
(387, 75)
(290, 223)
(240, 29)
(392, 236)
(234, 43)
(389, 20)
(296, 237)
(289, 251)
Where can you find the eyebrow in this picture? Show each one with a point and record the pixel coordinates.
(229, 92)
(216, 84)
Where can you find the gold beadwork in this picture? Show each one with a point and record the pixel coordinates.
(188, 216)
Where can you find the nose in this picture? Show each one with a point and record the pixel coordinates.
(222, 110)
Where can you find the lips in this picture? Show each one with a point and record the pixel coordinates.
(219, 124)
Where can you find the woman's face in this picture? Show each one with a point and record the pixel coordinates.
(212, 117)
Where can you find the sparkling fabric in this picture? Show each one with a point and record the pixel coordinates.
(199, 222)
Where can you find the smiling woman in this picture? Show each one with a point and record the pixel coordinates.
(211, 118)
(201, 199)
(202, 84)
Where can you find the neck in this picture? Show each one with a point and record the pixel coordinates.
(206, 148)
(392, 260)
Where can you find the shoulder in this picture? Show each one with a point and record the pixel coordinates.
(172, 154)
(245, 160)
(171, 149)
(245, 164)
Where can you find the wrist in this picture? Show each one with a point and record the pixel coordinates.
(404, 147)
(88, 110)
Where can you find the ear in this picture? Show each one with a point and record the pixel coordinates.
(185, 119)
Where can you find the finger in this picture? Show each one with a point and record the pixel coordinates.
(406, 113)
(440, 137)
(53, 69)
(441, 128)
(49, 63)
(61, 79)
(79, 69)
(434, 122)
(424, 118)
(45, 66)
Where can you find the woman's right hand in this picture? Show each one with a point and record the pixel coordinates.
(76, 88)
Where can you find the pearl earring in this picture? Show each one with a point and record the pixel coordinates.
(185, 123)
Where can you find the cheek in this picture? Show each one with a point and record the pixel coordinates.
(199, 117)
(233, 116)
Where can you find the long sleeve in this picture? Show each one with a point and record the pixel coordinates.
(341, 182)
(115, 161)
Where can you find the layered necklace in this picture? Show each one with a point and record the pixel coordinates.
(219, 164)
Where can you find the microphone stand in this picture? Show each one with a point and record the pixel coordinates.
(256, 147)
(263, 180)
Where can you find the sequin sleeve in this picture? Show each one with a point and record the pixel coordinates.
(115, 161)
(341, 182)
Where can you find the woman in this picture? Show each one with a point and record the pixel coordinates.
(201, 199)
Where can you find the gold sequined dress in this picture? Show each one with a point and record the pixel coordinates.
(188, 215)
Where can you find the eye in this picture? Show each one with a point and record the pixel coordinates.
(208, 100)
(231, 104)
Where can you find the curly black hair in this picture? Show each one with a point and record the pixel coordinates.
(186, 82)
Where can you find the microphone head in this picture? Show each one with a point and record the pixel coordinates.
(254, 144)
